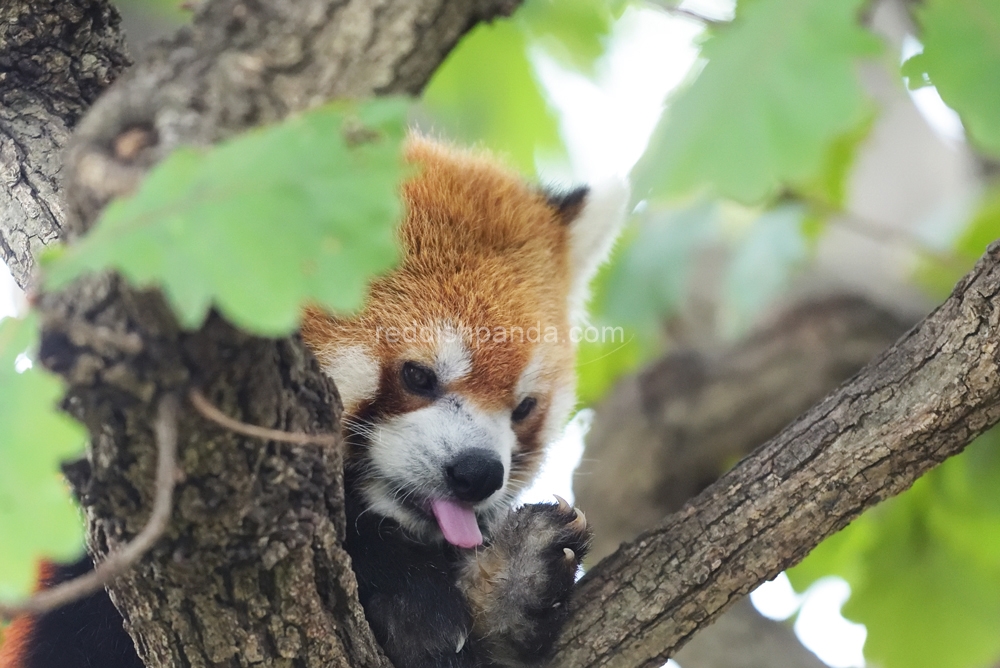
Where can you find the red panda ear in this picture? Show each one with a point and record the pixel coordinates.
(568, 203)
(594, 216)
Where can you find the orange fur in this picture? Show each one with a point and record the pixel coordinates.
(480, 249)
(17, 637)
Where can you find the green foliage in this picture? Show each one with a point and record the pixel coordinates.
(779, 86)
(924, 567)
(649, 277)
(600, 363)
(299, 212)
(170, 12)
(574, 31)
(486, 92)
(961, 58)
(37, 516)
(762, 266)
(827, 189)
(937, 277)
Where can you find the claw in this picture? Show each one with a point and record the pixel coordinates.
(570, 556)
(564, 506)
(579, 522)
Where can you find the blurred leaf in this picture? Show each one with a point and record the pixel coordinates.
(813, 227)
(648, 280)
(573, 31)
(600, 364)
(486, 92)
(38, 518)
(259, 225)
(779, 86)
(828, 187)
(961, 58)
(924, 567)
(762, 266)
(939, 278)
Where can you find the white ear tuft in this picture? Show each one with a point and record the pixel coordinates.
(591, 236)
(356, 373)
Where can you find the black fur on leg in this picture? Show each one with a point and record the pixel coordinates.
(518, 586)
(409, 593)
(83, 634)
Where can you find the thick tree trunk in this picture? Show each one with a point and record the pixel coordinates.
(251, 571)
(56, 57)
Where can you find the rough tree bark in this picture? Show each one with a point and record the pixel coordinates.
(665, 433)
(916, 404)
(56, 57)
(743, 638)
(251, 571)
(268, 517)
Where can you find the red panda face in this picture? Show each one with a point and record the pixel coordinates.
(459, 370)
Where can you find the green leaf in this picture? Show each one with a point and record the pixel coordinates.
(961, 58)
(601, 363)
(924, 567)
(649, 278)
(938, 278)
(486, 92)
(303, 211)
(762, 266)
(943, 602)
(38, 518)
(828, 187)
(779, 86)
(573, 31)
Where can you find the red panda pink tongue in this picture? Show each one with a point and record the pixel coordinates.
(457, 522)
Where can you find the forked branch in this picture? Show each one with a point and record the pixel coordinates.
(919, 402)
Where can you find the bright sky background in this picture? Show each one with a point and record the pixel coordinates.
(606, 123)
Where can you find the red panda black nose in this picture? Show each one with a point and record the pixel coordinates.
(474, 475)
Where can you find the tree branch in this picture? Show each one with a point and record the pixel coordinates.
(667, 432)
(56, 57)
(918, 403)
(664, 434)
(243, 63)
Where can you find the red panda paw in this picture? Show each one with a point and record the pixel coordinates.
(518, 585)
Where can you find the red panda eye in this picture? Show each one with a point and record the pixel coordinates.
(523, 409)
(419, 379)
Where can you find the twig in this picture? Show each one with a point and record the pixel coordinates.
(880, 232)
(205, 407)
(672, 8)
(118, 562)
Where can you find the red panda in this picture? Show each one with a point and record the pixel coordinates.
(455, 376)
